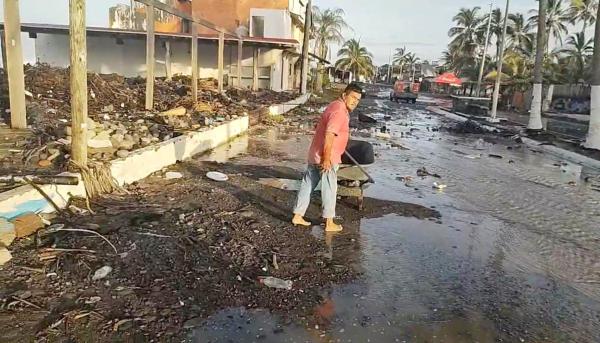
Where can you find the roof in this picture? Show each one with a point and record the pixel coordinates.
(121, 33)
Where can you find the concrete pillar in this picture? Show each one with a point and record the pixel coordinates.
(194, 63)
(220, 59)
(255, 69)
(14, 64)
(150, 60)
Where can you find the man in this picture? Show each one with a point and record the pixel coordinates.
(324, 157)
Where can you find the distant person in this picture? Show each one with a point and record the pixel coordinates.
(325, 156)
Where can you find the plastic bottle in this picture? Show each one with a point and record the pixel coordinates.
(274, 282)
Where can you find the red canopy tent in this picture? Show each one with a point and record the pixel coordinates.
(448, 78)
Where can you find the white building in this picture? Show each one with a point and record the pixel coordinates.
(123, 52)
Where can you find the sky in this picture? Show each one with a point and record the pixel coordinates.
(381, 25)
(419, 25)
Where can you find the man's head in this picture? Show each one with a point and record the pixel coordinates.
(351, 96)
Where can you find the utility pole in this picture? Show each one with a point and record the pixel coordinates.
(14, 64)
(307, 27)
(535, 113)
(487, 40)
(390, 66)
(79, 108)
(499, 68)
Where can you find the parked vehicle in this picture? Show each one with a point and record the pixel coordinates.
(406, 91)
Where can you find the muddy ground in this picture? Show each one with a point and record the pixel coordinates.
(185, 248)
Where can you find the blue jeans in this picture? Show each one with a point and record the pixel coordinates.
(310, 180)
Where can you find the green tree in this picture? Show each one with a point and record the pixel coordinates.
(355, 58)
(577, 55)
(583, 11)
(557, 19)
(467, 32)
(521, 38)
(329, 25)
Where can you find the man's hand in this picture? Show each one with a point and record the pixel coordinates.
(326, 165)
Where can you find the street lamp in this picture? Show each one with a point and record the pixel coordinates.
(493, 118)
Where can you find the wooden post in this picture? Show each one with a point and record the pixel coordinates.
(14, 64)
(194, 63)
(239, 61)
(168, 59)
(220, 59)
(149, 57)
(305, 65)
(78, 75)
(255, 69)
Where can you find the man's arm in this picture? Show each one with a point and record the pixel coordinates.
(328, 145)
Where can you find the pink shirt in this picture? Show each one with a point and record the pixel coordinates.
(336, 120)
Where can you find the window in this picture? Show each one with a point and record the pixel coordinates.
(258, 26)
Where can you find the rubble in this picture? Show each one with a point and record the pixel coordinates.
(27, 224)
(118, 121)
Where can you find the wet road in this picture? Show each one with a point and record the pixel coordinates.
(514, 258)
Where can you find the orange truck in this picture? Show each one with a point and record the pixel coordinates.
(406, 91)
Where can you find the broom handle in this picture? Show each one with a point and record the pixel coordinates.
(359, 166)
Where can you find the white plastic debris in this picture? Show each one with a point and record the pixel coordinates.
(173, 175)
(102, 273)
(439, 186)
(216, 176)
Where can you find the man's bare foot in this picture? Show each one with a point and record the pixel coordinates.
(299, 221)
(330, 226)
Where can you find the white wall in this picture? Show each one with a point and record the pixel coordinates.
(278, 23)
(105, 56)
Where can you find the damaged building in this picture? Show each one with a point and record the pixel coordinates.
(271, 31)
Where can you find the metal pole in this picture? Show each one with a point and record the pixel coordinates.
(487, 40)
(499, 68)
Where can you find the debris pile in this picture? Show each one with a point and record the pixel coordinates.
(118, 122)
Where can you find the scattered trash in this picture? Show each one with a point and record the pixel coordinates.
(422, 172)
(216, 176)
(473, 157)
(366, 119)
(468, 126)
(173, 175)
(7, 232)
(495, 156)
(274, 282)
(439, 186)
(5, 256)
(102, 273)
(27, 224)
(481, 144)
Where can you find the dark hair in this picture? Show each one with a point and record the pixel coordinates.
(353, 87)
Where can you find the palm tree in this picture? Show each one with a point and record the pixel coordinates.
(412, 60)
(556, 20)
(593, 137)
(497, 28)
(466, 34)
(535, 113)
(518, 32)
(399, 59)
(577, 54)
(355, 58)
(583, 11)
(329, 25)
